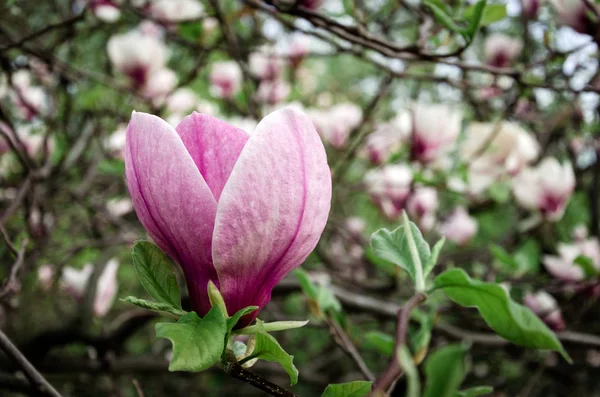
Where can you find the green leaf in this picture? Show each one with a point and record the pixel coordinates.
(435, 253)
(474, 20)
(500, 192)
(442, 17)
(474, 391)
(445, 370)
(215, 298)
(382, 264)
(197, 343)
(359, 388)
(527, 257)
(402, 246)
(309, 288)
(321, 295)
(155, 306)
(587, 264)
(271, 327)
(504, 257)
(267, 348)
(491, 13)
(507, 318)
(155, 270)
(380, 342)
(412, 375)
(233, 320)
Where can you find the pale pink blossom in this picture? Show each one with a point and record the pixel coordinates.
(545, 306)
(74, 280)
(174, 11)
(117, 207)
(137, 56)
(159, 84)
(46, 275)
(422, 205)
(265, 64)
(460, 227)
(355, 227)
(387, 138)
(225, 79)
(546, 188)
(564, 267)
(151, 29)
(106, 10)
(335, 124)
(115, 143)
(530, 8)
(501, 50)
(435, 129)
(389, 187)
(273, 92)
(299, 47)
(182, 100)
(311, 4)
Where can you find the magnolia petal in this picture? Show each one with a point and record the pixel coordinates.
(172, 200)
(214, 146)
(272, 210)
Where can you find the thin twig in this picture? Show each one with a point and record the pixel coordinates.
(236, 371)
(343, 340)
(35, 378)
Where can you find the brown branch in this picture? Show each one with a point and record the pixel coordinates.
(343, 340)
(33, 376)
(394, 370)
(237, 372)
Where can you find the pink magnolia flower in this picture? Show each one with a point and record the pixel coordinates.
(46, 275)
(173, 11)
(30, 100)
(298, 49)
(575, 14)
(117, 207)
(159, 84)
(239, 210)
(422, 205)
(545, 306)
(225, 79)
(182, 100)
(115, 143)
(137, 56)
(564, 267)
(546, 188)
(311, 4)
(501, 50)
(389, 188)
(355, 227)
(460, 227)
(435, 129)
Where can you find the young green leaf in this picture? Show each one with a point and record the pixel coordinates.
(271, 327)
(435, 253)
(155, 306)
(491, 13)
(233, 320)
(155, 270)
(587, 264)
(267, 348)
(507, 318)
(197, 343)
(445, 370)
(359, 388)
(412, 375)
(380, 342)
(442, 17)
(474, 391)
(215, 298)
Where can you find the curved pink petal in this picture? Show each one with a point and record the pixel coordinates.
(172, 200)
(214, 146)
(272, 210)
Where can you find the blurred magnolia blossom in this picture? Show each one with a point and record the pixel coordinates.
(30, 100)
(311, 4)
(137, 56)
(335, 124)
(575, 14)
(530, 8)
(46, 275)
(117, 207)
(422, 205)
(545, 306)
(35, 143)
(298, 48)
(265, 64)
(564, 267)
(389, 187)
(243, 123)
(435, 129)
(546, 188)
(355, 226)
(160, 83)
(106, 10)
(580, 232)
(151, 29)
(273, 92)
(182, 100)
(501, 50)
(75, 282)
(460, 227)
(115, 143)
(174, 11)
(493, 150)
(225, 79)
(387, 138)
